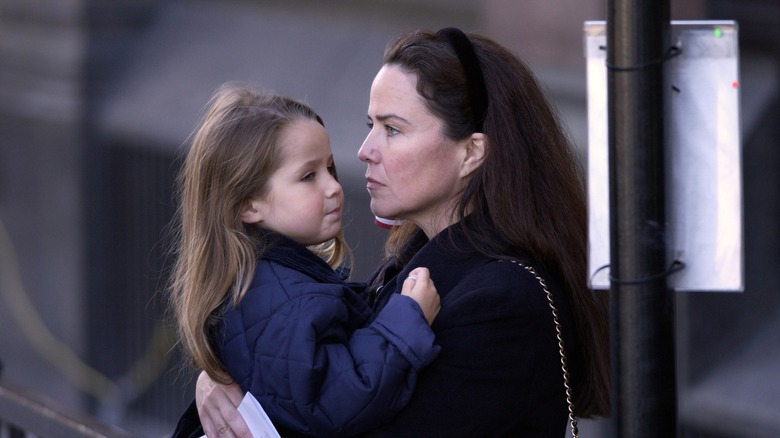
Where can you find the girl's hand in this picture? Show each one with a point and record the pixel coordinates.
(217, 408)
(419, 286)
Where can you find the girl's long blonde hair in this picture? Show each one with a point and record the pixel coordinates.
(233, 153)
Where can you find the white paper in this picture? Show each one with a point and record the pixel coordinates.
(256, 418)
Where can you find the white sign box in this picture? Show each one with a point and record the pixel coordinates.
(703, 157)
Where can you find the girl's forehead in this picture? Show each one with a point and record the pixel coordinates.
(303, 138)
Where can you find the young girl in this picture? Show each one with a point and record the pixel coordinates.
(254, 288)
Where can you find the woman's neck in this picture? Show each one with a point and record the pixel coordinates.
(439, 220)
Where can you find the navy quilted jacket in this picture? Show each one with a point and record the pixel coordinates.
(301, 342)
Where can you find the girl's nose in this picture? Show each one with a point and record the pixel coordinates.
(333, 188)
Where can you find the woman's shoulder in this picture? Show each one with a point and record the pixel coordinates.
(499, 300)
(504, 274)
(508, 285)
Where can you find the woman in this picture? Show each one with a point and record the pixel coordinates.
(465, 148)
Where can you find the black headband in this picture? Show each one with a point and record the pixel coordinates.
(474, 79)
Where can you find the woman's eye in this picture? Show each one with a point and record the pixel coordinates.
(391, 131)
(370, 124)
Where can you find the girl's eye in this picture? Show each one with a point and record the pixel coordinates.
(308, 177)
(332, 170)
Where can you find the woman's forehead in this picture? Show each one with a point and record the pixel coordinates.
(394, 92)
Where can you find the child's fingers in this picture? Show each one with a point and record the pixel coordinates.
(418, 276)
(419, 286)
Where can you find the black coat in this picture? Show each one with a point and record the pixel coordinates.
(498, 373)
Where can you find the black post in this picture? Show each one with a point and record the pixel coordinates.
(641, 306)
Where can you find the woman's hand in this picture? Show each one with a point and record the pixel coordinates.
(217, 408)
(419, 286)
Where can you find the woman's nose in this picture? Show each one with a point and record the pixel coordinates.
(367, 152)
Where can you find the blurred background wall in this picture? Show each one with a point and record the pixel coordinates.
(98, 98)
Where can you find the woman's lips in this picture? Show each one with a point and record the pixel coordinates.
(371, 183)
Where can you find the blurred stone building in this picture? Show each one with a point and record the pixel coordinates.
(97, 99)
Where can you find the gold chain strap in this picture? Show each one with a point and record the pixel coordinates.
(559, 336)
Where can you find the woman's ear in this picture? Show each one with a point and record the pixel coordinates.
(475, 153)
(250, 212)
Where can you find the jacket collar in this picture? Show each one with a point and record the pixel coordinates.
(287, 252)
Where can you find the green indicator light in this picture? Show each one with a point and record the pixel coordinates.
(717, 32)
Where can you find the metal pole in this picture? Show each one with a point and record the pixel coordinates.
(641, 306)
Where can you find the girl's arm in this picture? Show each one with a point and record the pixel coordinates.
(313, 377)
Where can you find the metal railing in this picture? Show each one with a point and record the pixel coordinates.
(25, 415)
